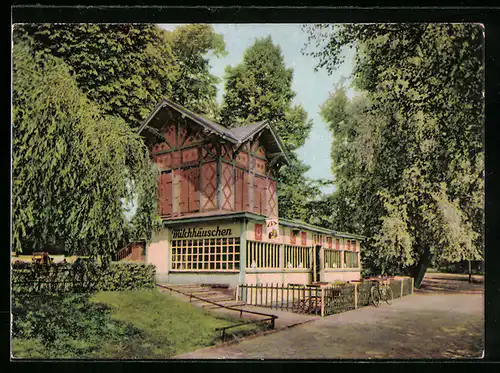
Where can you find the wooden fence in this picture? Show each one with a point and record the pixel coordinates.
(314, 299)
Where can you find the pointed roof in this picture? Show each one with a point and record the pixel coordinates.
(237, 135)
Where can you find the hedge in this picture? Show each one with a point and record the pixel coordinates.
(82, 276)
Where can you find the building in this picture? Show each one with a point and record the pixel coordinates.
(219, 208)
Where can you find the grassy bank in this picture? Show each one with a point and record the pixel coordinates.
(112, 325)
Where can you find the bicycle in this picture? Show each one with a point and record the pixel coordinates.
(378, 292)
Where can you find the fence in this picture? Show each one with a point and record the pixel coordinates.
(317, 300)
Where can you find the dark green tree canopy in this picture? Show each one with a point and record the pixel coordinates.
(128, 68)
(195, 87)
(408, 155)
(125, 68)
(73, 167)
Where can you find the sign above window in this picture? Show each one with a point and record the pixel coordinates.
(205, 231)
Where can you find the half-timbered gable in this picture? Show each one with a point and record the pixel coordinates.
(205, 167)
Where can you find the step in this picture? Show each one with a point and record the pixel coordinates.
(215, 300)
(227, 304)
(201, 294)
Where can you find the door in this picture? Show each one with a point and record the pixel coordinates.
(317, 263)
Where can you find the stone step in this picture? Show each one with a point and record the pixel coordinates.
(214, 299)
(232, 303)
(202, 294)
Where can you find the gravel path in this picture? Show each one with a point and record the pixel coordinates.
(423, 325)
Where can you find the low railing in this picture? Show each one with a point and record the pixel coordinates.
(292, 297)
(320, 299)
(123, 253)
(269, 317)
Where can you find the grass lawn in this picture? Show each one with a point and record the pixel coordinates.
(142, 324)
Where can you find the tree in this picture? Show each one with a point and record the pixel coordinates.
(128, 68)
(72, 166)
(125, 68)
(196, 87)
(259, 88)
(419, 185)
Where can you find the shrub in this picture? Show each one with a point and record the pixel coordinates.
(84, 275)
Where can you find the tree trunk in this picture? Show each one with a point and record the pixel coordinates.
(470, 272)
(422, 268)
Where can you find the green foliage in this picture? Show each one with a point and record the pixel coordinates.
(408, 153)
(72, 167)
(64, 326)
(259, 88)
(128, 68)
(142, 324)
(82, 276)
(195, 87)
(125, 68)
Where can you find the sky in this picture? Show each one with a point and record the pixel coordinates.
(311, 88)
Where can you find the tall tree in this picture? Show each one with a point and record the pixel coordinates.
(195, 87)
(128, 68)
(261, 88)
(422, 174)
(72, 167)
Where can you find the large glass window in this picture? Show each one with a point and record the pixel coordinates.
(263, 255)
(215, 254)
(351, 259)
(332, 258)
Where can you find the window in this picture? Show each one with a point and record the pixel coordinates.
(350, 259)
(262, 255)
(332, 259)
(297, 257)
(214, 254)
(303, 238)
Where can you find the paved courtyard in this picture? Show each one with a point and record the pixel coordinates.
(423, 325)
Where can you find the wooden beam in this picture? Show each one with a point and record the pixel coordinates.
(155, 132)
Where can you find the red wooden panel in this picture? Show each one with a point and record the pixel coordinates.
(194, 137)
(353, 245)
(164, 161)
(258, 232)
(194, 189)
(260, 166)
(209, 186)
(329, 240)
(168, 193)
(226, 152)
(273, 198)
(209, 152)
(176, 158)
(264, 210)
(227, 181)
(165, 193)
(181, 136)
(261, 151)
(256, 195)
(303, 238)
(183, 180)
(160, 194)
(170, 135)
(246, 191)
(242, 160)
(293, 239)
(238, 183)
(190, 155)
(348, 245)
(337, 244)
(160, 147)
